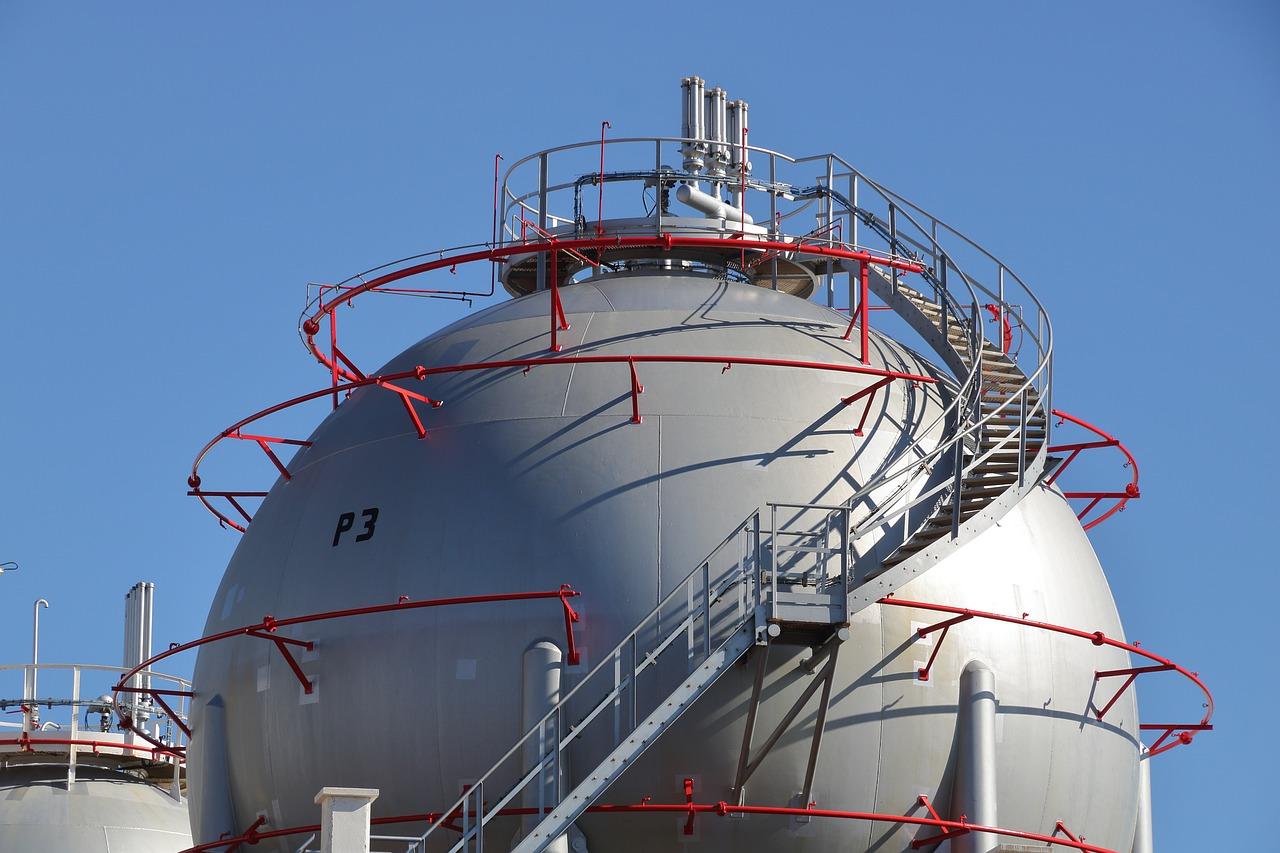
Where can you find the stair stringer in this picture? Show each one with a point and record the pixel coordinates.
(895, 577)
(887, 581)
(598, 780)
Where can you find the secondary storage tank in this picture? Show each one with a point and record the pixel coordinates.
(69, 780)
(659, 378)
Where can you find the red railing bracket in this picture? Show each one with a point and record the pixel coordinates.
(1131, 491)
(570, 616)
(870, 393)
(688, 798)
(1181, 734)
(945, 626)
(636, 390)
(923, 800)
(1132, 673)
(1059, 827)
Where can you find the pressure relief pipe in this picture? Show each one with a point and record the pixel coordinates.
(692, 122)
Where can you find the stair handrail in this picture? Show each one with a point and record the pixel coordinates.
(968, 422)
(947, 302)
(747, 574)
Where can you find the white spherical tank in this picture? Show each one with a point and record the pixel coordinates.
(103, 811)
(662, 551)
(531, 479)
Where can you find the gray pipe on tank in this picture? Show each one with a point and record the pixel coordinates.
(540, 691)
(718, 132)
(1143, 838)
(975, 795)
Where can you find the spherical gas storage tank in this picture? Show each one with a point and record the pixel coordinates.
(533, 478)
(103, 811)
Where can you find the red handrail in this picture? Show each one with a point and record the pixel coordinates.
(1181, 732)
(1122, 497)
(420, 373)
(692, 809)
(311, 326)
(269, 626)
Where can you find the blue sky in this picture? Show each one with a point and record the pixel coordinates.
(171, 176)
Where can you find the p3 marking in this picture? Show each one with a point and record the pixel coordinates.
(347, 521)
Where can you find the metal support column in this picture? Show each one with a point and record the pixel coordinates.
(542, 219)
(753, 708)
(1143, 841)
(819, 726)
(75, 727)
(975, 796)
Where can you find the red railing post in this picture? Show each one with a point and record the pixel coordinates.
(570, 616)
(923, 672)
(636, 390)
(558, 320)
(604, 125)
(863, 288)
(333, 353)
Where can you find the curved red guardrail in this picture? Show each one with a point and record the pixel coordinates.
(1174, 734)
(421, 373)
(341, 368)
(345, 376)
(950, 828)
(1105, 439)
(267, 628)
(1181, 733)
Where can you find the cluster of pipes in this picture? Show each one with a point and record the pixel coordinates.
(715, 133)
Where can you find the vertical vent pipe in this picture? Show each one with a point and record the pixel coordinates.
(693, 123)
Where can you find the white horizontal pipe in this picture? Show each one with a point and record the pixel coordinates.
(710, 205)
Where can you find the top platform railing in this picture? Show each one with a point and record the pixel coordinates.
(857, 224)
(151, 735)
(549, 189)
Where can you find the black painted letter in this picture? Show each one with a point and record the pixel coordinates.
(370, 517)
(345, 522)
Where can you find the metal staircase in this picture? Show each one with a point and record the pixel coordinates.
(796, 582)
(788, 586)
(1006, 446)
(995, 427)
